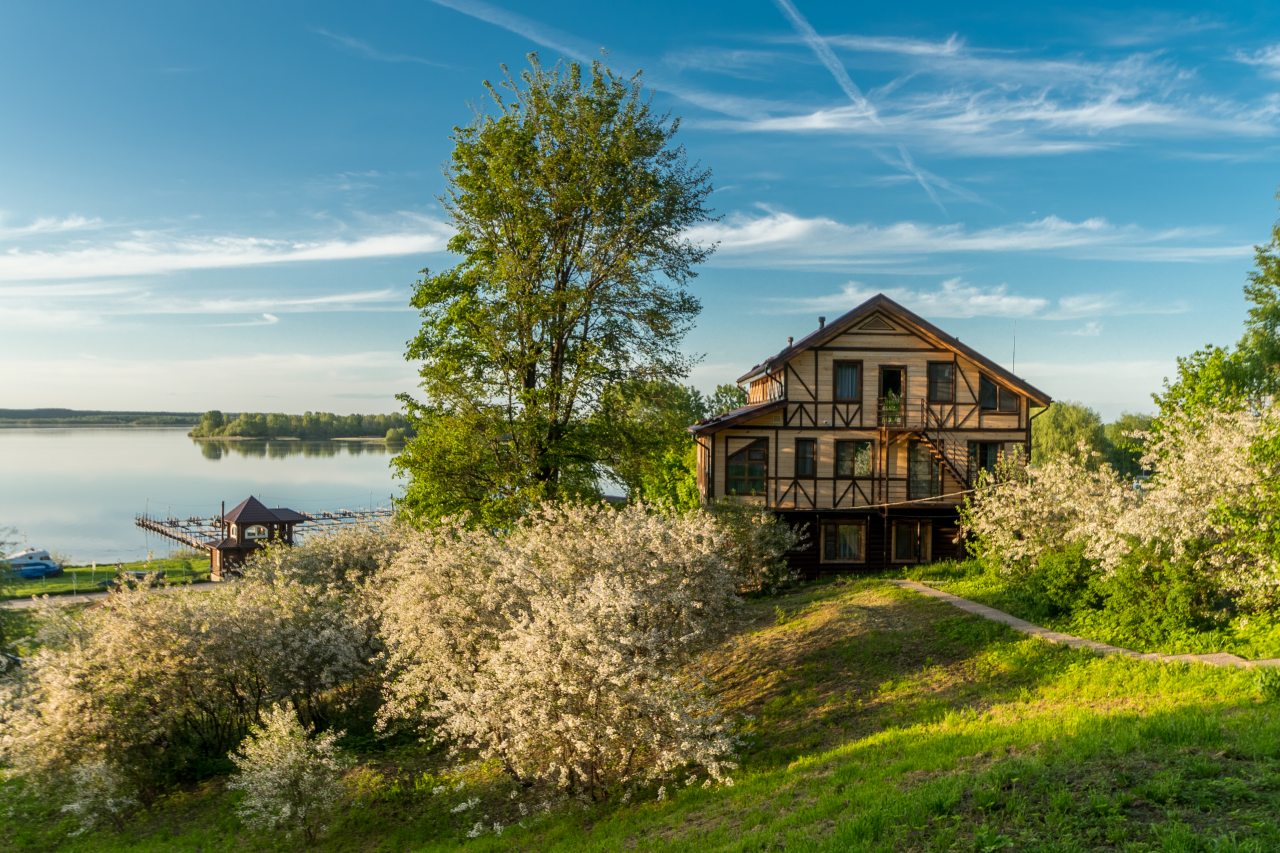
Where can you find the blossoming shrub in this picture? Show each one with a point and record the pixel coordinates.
(1184, 551)
(558, 647)
(757, 542)
(160, 687)
(290, 782)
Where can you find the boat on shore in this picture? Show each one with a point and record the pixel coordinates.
(32, 563)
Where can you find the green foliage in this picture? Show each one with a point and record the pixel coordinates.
(757, 545)
(1125, 443)
(316, 426)
(1060, 582)
(570, 204)
(1210, 379)
(725, 398)
(642, 430)
(1062, 429)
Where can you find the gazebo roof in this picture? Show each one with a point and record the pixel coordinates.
(253, 511)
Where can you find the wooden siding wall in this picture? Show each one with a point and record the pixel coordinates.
(808, 382)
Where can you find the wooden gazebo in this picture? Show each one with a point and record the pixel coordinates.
(246, 528)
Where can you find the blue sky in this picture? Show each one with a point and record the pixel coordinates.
(226, 205)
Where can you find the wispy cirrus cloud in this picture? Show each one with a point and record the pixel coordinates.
(773, 238)
(263, 320)
(143, 253)
(45, 225)
(955, 298)
(363, 48)
(1265, 59)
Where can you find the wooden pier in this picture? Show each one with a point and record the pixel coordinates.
(230, 537)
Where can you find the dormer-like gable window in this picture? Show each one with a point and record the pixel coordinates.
(993, 397)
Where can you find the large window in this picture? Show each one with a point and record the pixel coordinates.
(942, 382)
(996, 398)
(806, 457)
(983, 455)
(748, 469)
(924, 474)
(853, 458)
(912, 541)
(848, 379)
(844, 542)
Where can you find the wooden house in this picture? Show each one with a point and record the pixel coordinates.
(869, 431)
(247, 527)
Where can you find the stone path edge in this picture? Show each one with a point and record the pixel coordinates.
(1025, 627)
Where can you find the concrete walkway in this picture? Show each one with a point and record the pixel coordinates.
(1025, 627)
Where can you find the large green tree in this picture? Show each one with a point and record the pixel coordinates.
(1062, 429)
(571, 205)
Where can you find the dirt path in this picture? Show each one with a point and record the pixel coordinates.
(1215, 659)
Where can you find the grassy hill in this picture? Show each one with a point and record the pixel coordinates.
(877, 719)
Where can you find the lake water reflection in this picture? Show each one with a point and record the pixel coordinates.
(76, 491)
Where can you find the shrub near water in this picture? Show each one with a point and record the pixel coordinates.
(557, 648)
(156, 689)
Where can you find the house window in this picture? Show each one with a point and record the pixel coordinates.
(848, 378)
(853, 458)
(806, 461)
(911, 541)
(256, 531)
(924, 474)
(996, 398)
(844, 542)
(748, 469)
(983, 455)
(942, 382)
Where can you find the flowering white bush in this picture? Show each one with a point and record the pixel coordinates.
(557, 648)
(99, 793)
(756, 545)
(290, 782)
(1208, 507)
(153, 684)
(1018, 514)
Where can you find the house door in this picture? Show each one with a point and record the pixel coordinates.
(893, 381)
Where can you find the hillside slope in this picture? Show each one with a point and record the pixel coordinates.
(878, 719)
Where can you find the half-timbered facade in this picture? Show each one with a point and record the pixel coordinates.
(869, 430)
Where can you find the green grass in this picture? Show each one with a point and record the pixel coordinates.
(873, 719)
(1254, 637)
(74, 579)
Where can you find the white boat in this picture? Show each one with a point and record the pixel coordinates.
(32, 563)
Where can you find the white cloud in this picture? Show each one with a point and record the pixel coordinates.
(317, 381)
(954, 298)
(781, 239)
(264, 320)
(899, 45)
(363, 48)
(1265, 59)
(48, 225)
(151, 253)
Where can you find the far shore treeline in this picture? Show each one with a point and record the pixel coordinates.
(311, 425)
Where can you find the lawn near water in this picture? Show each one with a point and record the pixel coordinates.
(192, 568)
(873, 719)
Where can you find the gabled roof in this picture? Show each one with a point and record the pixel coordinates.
(736, 415)
(253, 511)
(885, 305)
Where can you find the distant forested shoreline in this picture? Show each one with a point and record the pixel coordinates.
(78, 417)
(311, 426)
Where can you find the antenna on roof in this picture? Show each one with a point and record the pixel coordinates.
(1014, 367)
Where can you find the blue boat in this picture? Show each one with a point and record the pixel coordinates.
(32, 563)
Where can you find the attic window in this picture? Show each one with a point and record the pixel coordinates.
(996, 398)
(942, 382)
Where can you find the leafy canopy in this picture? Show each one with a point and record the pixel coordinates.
(571, 203)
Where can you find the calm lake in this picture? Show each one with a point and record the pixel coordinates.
(76, 491)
